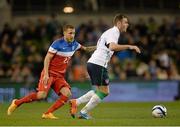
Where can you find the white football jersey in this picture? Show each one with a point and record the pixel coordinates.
(102, 54)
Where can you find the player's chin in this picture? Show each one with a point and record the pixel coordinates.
(125, 30)
(70, 40)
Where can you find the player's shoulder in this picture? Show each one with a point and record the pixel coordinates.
(60, 40)
(111, 32)
(76, 42)
(113, 29)
(75, 45)
(56, 44)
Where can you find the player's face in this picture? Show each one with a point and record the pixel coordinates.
(69, 35)
(123, 25)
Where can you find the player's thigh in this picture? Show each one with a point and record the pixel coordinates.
(59, 84)
(98, 75)
(44, 89)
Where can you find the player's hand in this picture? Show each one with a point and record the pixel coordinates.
(135, 48)
(45, 79)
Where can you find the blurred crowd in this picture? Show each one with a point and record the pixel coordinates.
(24, 46)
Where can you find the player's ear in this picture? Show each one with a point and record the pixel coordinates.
(119, 23)
(64, 32)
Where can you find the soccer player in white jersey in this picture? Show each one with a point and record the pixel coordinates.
(97, 66)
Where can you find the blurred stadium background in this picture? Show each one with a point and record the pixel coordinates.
(28, 27)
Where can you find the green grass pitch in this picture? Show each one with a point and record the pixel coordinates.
(105, 114)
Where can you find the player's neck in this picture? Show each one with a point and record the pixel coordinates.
(68, 41)
(117, 28)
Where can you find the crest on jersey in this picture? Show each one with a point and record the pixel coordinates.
(73, 47)
(107, 81)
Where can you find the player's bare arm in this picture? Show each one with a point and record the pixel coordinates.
(116, 47)
(47, 60)
(89, 48)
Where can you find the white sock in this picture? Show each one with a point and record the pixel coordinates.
(95, 100)
(85, 98)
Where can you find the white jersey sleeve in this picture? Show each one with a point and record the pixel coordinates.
(112, 37)
(103, 54)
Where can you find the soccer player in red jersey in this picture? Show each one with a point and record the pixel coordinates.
(52, 75)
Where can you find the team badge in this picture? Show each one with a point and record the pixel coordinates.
(107, 81)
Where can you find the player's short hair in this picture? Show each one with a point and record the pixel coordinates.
(118, 17)
(68, 27)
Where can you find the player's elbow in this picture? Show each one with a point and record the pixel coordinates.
(112, 47)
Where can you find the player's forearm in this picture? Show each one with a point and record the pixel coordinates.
(117, 47)
(47, 61)
(46, 65)
(122, 47)
(90, 48)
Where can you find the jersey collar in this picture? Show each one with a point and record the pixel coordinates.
(67, 42)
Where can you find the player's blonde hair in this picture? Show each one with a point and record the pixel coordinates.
(118, 17)
(68, 27)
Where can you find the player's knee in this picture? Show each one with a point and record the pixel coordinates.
(41, 95)
(107, 93)
(66, 92)
(101, 94)
(69, 94)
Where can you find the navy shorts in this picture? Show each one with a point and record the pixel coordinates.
(98, 74)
